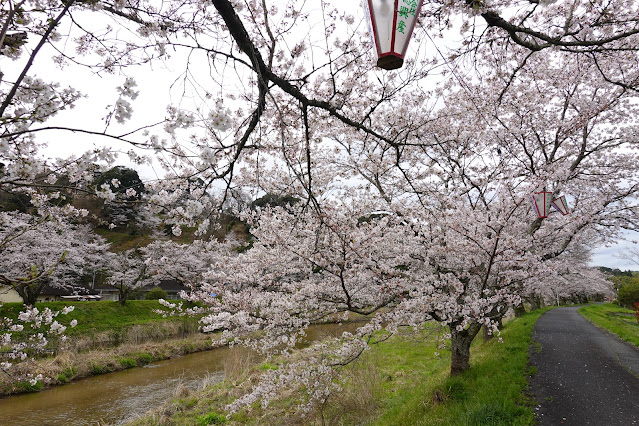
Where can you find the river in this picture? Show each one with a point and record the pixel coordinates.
(116, 398)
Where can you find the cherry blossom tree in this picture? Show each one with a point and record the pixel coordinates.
(458, 186)
(128, 272)
(186, 263)
(41, 251)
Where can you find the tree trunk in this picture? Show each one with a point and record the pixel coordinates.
(460, 347)
(29, 293)
(520, 310)
(535, 302)
(123, 294)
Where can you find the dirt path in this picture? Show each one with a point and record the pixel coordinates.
(584, 376)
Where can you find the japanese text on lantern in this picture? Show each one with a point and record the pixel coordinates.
(408, 9)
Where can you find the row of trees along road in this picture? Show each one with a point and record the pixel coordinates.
(414, 184)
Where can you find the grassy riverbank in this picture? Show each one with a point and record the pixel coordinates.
(95, 318)
(398, 382)
(108, 337)
(617, 320)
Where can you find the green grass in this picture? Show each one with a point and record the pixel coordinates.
(492, 392)
(103, 316)
(615, 319)
(122, 241)
(397, 382)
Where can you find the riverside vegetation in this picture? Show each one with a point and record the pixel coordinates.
(400, 382)
(108, 337)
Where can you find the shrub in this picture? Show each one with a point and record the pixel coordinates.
(143, 358)
(212, 419)
(97, 368)
(628, 294)
(156, 293)
(25, 386)
(128, 363)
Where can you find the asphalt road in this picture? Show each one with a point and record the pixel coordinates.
(584, 376)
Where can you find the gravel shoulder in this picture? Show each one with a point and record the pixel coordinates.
(585, 376)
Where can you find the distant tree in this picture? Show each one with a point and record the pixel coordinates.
(120, 179)
(275, 200)
(15, 201)
(155, 294)
(129, 273)
(121, 187)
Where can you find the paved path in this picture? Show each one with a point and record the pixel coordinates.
(584, 376)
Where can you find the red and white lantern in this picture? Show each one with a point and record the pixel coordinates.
(391, 23)
(541, 203)
(561, 205)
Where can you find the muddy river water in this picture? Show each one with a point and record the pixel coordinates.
(116, 398)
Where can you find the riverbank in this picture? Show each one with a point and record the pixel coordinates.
(400, 382)
(69, 366)
(615, 319)
(109, 337)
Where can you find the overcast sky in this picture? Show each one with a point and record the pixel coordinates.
(609, 256)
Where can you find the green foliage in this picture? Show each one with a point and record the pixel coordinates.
(121, 214)
(25, 386)
(122, 241)
(211, 419)
(615, 272)
(143, 358)
(615, 319)
(101, 368)
(268, 366)
(128, 178)
(275, 200)
(128, 362)
(628, 292)
(155, 294)
(67, 374)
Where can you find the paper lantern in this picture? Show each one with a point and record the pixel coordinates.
(391, 23)
(561, 205)
(541, 203)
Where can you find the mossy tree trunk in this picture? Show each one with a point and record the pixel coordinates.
(460, 342)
